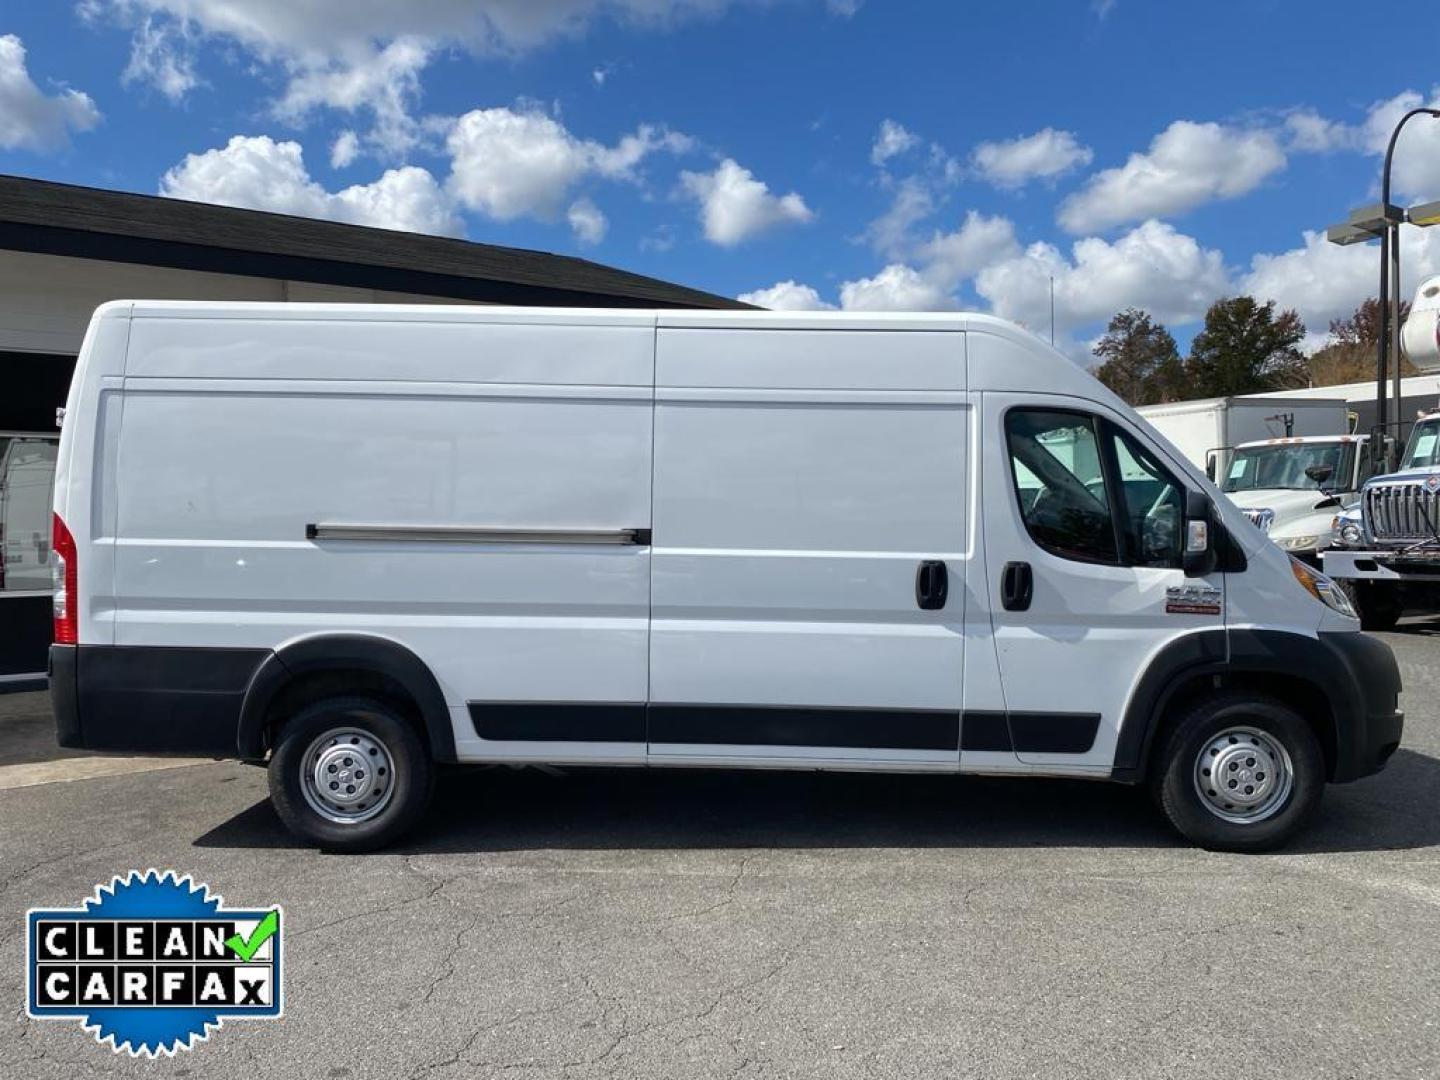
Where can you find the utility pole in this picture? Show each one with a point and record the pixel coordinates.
(1052, 311)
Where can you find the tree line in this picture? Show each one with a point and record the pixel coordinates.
(1245, 347)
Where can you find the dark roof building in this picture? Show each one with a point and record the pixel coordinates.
(64, 250)
(89, 223)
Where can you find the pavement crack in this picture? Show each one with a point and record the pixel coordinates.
(725, 900)
(435, 887)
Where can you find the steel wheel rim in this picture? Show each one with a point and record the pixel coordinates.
(1243, 775)
(347, 776)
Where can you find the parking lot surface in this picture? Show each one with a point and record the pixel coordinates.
(683, 924)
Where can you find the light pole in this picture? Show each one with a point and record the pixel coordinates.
(1383, 222)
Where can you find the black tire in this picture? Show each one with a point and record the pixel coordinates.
(1175, 774)
(410, 777)
(1377, 604)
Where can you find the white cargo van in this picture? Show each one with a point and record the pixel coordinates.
(355, 541)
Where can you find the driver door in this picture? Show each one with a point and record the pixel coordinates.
(1090, 514)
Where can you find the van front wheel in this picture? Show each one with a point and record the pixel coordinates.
(349, 774)
(1239, 772)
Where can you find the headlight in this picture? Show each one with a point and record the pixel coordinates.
(1345, 528)
(1298, 543)
(1322, 588)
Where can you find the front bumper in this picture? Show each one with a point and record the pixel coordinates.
(1365, 696)
(1392, 566)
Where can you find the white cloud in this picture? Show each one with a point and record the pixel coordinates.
(896, 288)
(261, 174)
(1043, 156)
(950, 258)
(508, 163)
(892, 233)
(31, 119)
(890, 141)
(160, 57)
(735, 206)
(304, 30)
(1323, 281)
(344, 150)
(786, 295)
(1152, 267)
(1187, 164)
(587, 221)
(384, 81)
(1416, 169)
(1309, 132)
(341, 53)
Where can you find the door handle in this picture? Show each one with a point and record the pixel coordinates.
(932, 585)
(1017, 586)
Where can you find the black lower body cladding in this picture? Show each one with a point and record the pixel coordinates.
(1356, 674)
(1369, 729)
(155, 700)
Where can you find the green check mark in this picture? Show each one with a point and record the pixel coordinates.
(244, 948)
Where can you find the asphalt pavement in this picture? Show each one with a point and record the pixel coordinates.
(675, 924)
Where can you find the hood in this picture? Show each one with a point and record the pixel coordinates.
(1414, 476)
(1286, 504)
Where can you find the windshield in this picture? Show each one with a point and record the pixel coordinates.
(1424, 448)
(1284, 465)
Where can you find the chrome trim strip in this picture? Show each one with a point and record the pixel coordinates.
(465, 534)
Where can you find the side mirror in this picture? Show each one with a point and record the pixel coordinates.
(1320, 473)
(1199, 556)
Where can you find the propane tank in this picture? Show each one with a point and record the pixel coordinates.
(1420, 337)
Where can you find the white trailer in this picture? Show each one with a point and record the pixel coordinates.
(1207, 430)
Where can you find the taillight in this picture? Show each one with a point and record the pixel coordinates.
(63, 574)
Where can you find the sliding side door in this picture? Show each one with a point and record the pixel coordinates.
(810, 547)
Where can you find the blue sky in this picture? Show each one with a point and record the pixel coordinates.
(853, 153)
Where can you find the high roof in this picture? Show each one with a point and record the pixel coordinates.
(116, 226)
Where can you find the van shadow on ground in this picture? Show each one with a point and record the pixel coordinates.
(503, 809)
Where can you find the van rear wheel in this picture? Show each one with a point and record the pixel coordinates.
(350, 774)
(1239, 772)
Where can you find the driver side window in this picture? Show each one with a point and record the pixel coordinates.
(1055, 461)
(1090, 492)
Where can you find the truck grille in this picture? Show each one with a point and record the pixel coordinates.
(1262, 519)
(1401, 512)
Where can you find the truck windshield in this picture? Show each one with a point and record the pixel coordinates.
(1424, 448)
(1284, 465)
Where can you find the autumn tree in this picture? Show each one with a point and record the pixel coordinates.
(1139, 360)
(1246, 347)
(1349, 355)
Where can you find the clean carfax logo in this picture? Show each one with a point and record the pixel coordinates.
(152, 962)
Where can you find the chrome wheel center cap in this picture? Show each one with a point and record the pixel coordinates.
(348, 775)
(1243, 775)
(343, 775)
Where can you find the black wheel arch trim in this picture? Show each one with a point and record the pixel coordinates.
(330, 652)
(1356, 673)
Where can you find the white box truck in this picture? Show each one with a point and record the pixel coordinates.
(1207, 430)
(352, 542)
